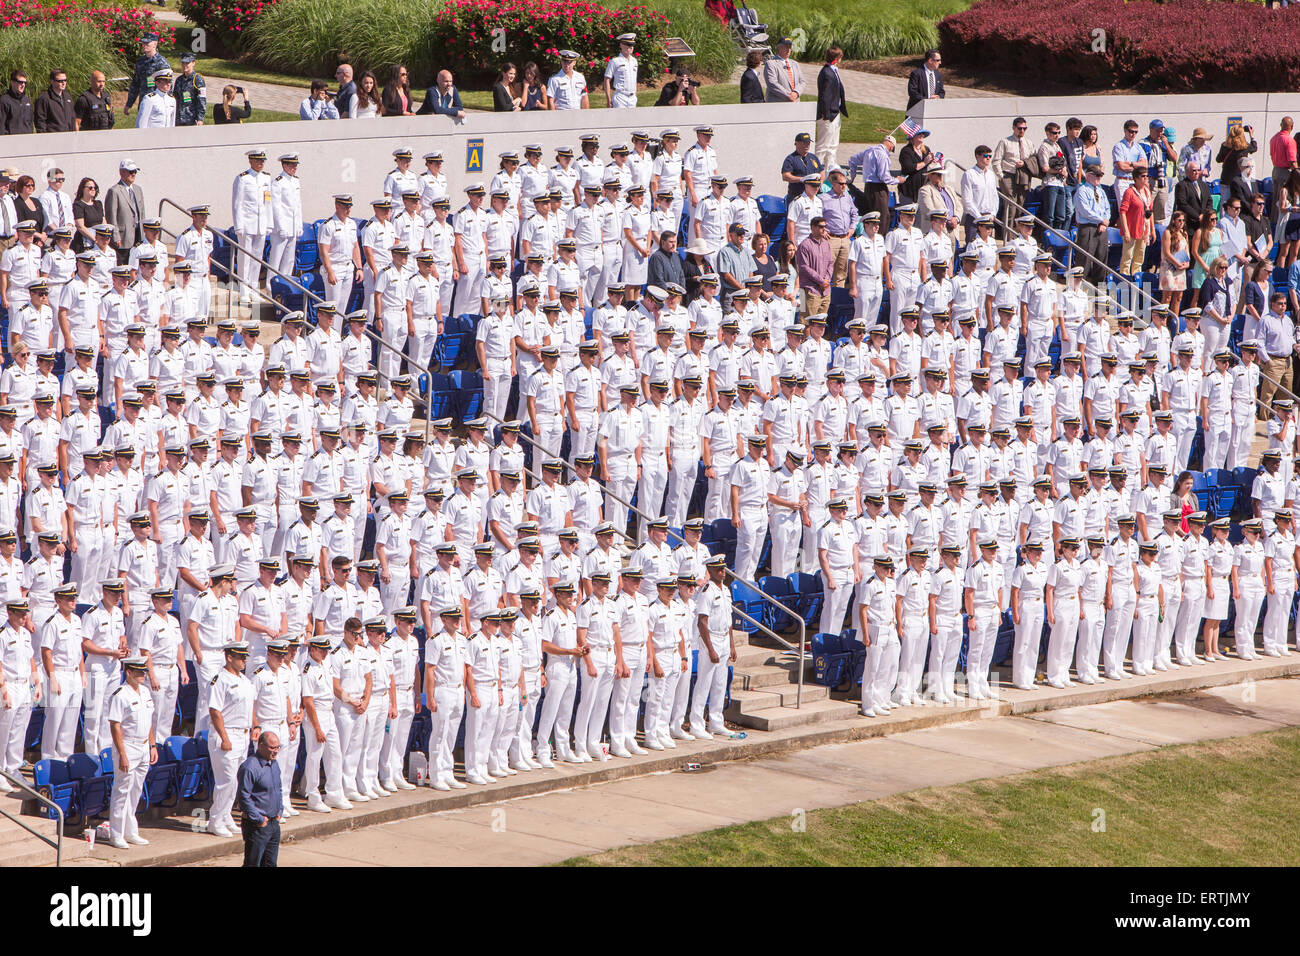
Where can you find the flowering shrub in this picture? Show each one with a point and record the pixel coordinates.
(124, 27)
(1189, 46)
(224, 19)
(465, 35)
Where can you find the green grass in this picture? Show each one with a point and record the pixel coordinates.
(878, 29)
(716, 54)
(234, 70)
(259, 116)
(1223, 803)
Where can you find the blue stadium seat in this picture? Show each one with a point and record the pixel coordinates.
(190, 754)
(53, 782)
(160, 782)
(771, 213)
(722, 538)
(745, 598)
(35, 725)
(806, 592)
(1203, 488)
(1060, 249)
(1223, 491)
(832, 664)
(285, 294)
(841, 312)
(221, 253)
(778, 588)
(469, 394)
(306, 254)
(93, 784)
(1116, 248)
(443, 400)
(1243, 478)
(357, 300)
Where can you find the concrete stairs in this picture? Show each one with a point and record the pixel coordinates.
(764, 689)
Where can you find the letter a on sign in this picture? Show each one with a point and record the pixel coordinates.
(474, 156)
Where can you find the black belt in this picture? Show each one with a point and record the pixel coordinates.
(839, 235)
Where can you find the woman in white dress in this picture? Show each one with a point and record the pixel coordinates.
(639, 238)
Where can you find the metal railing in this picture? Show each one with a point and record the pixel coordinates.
(801, 649)
(1100, 294)
(57, 843)
(232, 275)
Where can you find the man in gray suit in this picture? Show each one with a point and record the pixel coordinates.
(782, 75)
(124, 209)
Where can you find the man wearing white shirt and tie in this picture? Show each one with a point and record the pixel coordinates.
(56, 203)
(8, 214)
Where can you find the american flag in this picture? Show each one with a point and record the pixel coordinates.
(910, 127)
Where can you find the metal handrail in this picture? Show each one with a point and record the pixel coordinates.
(45, 801)
(230, 274)
(1079, 250)
(798, 618)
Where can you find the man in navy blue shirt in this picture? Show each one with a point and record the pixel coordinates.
(260, 801)
(799, 164)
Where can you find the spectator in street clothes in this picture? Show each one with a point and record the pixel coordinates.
(54, 108)
(831, 106)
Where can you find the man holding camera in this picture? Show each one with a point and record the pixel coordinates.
(682, 91)
(1160, 153)
(319, 105)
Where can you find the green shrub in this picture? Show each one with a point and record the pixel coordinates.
(77, 48)
(309, 37)
(716, 54)
(873, 30)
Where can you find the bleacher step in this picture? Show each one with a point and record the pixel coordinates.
(812, 712)
(752, 701)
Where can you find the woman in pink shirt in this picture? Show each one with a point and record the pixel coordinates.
(1135, 222)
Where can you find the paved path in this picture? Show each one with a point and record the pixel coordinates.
(551, 827)
(263, 96)
(880, 89)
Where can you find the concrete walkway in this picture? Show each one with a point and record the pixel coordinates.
(262, 96)
(555, 826)
(880, 89)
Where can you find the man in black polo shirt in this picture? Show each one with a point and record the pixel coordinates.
(798, 165)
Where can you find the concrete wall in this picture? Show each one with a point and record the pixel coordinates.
(198, 164)
(959, 125)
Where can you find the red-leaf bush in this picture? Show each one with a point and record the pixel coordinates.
(124, 27)
(1189, 46)
(224, 19)
(463, 32)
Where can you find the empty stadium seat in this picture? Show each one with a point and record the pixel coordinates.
(779, 589)
(306, 254)
(806, 592)
(469, 394)
(746, 598)
(53, 782)
(832, 663)
(93, 785)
